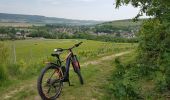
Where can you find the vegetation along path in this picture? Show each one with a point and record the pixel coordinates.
(95, 74)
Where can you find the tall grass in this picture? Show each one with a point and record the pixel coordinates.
(3, 60)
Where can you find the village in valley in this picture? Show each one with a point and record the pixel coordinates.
(18, 32)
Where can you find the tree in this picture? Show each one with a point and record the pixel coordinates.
(12, 33)
(157, 8)
(23, 34)
(153, 60)
(155, 32)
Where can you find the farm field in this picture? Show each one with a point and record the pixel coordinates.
(29, 56)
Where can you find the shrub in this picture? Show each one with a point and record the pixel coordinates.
(124, 85)
(161, 84)
(153, 63)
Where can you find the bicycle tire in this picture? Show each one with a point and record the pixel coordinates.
(39, 85)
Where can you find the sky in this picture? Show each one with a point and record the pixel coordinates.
(72, 9)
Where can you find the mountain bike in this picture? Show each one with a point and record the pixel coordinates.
(50, 81)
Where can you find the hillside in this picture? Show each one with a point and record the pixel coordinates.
(36, 19)
(123, 23)
(121, 27)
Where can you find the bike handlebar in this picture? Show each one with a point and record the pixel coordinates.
(60, 50)
(76, 45)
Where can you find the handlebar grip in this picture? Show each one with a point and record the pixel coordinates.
(78, 44)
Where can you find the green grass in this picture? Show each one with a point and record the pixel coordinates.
(30, 55)
(95, 77)
(37, 50)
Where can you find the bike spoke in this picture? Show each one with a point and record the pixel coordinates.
(52, 75)
(49, 90)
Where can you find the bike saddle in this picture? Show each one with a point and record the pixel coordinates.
(57, 52)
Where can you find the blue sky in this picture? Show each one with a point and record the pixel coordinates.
(72, 9)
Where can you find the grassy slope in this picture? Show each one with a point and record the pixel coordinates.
(31, 54)
(38, 50)
(96, 80)
(95, 75)
(123, 23)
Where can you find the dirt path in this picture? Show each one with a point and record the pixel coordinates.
(30, 88)
(105, 58)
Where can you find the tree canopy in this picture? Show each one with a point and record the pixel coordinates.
(152, 61)
(156, 8)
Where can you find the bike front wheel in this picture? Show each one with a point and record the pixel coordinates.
(49, 83)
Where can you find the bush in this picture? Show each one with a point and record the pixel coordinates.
(154, 54)
(124, 85)
(161, 84)
(152, 64)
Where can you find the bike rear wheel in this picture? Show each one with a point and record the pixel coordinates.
(49, 83)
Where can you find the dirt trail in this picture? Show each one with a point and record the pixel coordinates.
(9, 95)
(105, 58)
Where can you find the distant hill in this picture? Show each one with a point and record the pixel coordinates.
(36, 19)
(122, 23)
(119, 26)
